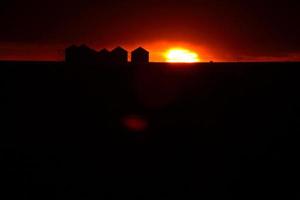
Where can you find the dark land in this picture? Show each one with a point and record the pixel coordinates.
(210, 131)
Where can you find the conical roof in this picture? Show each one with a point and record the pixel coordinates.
(140, 49)
(119, 49)
(104, 50)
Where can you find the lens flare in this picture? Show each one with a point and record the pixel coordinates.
(135, 123)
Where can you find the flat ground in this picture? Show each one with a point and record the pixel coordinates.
(156, 131)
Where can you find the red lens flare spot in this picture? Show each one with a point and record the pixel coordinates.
(135, 123)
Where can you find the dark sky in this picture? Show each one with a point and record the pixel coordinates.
(224, 30)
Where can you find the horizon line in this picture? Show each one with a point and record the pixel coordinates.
(154, 62)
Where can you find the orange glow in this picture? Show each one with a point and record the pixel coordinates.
(180, 55)
(159, 48)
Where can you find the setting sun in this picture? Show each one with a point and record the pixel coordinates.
(179, 55)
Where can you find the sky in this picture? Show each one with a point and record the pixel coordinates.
(217, 30)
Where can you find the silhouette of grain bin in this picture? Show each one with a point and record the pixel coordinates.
(103, 56)
(140, 56)
(81, 54)
(86, 54)
(71, 54)
(119, 55)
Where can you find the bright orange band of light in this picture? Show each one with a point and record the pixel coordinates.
(180, 55)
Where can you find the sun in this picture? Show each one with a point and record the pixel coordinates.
(181, 55)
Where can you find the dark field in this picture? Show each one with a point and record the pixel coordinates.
(159, 131)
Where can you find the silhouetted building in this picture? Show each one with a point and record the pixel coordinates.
(81, 54)
(71, 54)
(103, 56)
(119, 55)
(140, 55)
(86, 54)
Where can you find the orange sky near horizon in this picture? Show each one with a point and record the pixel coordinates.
(157, 51)
(219, 31)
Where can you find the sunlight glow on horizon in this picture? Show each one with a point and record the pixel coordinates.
(181, 55)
